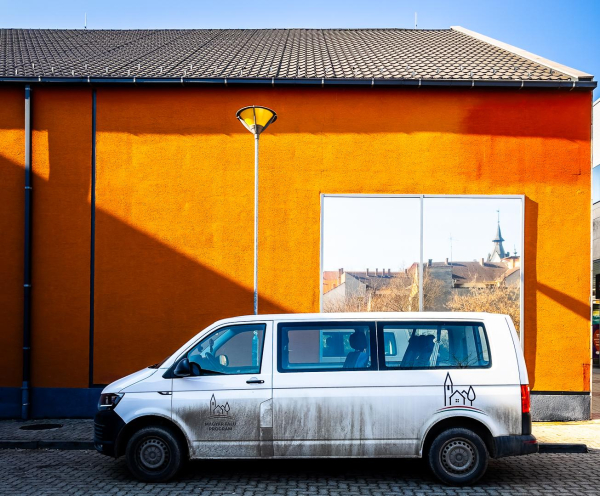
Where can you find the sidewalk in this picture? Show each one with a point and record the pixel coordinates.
(78, 434)
(72, 434)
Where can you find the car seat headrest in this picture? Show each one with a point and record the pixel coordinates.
(358, 341)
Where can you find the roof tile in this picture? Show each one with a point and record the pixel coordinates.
(263, 53)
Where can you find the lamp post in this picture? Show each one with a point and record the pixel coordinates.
(256, 119)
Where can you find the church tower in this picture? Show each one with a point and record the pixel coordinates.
(498, 252)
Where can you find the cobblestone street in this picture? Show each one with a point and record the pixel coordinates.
(86, 472)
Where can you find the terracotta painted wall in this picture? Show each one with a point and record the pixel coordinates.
(175, 185)
(175, 191)
(61, 151)
(12, 215)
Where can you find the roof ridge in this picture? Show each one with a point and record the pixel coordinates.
(225, 29)
(569, 71)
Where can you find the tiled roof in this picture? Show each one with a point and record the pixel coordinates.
(296, 54)
(471, 272)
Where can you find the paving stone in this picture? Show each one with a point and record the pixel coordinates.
(46, 472)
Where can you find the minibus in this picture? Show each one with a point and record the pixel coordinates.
(450, 388)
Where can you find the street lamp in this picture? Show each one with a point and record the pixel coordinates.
(256, 120)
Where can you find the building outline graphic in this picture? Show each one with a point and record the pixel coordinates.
(454, 397)
(218, 411)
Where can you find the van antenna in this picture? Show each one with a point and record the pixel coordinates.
(415, 20)
(85, 20)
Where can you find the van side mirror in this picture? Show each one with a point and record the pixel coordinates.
(182, 369)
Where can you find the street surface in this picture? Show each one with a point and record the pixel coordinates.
(41, 472)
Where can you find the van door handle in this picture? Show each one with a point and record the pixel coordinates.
(255, 381)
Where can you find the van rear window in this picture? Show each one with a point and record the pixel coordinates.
(433, 345)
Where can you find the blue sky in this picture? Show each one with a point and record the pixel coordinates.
(361, 233)
(565, 31)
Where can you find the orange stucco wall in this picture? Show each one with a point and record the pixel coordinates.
(12, 215)
(61, 150)
(175, 204)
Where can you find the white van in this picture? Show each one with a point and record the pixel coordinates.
(448, 387)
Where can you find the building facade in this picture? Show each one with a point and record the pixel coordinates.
(142, 211)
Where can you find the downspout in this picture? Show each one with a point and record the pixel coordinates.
(25, 410)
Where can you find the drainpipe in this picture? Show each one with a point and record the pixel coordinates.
(27, 265)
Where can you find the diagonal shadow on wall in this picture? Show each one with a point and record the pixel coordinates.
(150, 298)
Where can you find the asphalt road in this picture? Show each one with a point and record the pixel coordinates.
(43, 472)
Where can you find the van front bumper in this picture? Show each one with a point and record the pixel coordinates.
(107, 426)
(515, 446)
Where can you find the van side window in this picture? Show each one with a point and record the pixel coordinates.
(320, 347)
(434, 345)
(231, 350)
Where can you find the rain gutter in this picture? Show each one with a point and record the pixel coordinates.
(25, 388)
(457, 83)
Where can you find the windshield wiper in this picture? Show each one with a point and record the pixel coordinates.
(157, 365)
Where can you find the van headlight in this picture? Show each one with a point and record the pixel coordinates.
(109, 400)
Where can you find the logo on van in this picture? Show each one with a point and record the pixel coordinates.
(218, 411)
(219, 418)
(456, 399)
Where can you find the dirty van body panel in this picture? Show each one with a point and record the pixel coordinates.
(335, 422)
(224, 416)
(388, 412)
(380, 421)
(492, 408)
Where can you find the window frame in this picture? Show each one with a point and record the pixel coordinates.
(322, 326)
(439, 323)
(228, 326)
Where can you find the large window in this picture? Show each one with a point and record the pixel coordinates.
(417, 345)
(420, 253)
(596, 184)
(230, 350)
(314, 347)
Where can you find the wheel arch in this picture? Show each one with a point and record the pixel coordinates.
(482, 430)
(148, 421)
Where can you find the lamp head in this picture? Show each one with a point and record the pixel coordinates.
(256, 119)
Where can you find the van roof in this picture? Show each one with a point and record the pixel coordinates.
(366, 316)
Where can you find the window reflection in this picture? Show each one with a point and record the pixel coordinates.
(370, 250)
(471, 254)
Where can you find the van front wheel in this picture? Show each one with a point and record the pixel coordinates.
(154, 454)
(458, 457)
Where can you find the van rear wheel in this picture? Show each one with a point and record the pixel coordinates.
(458, 457)
(154, 454)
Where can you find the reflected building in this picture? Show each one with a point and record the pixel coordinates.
(498, 252)
(384, 290)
